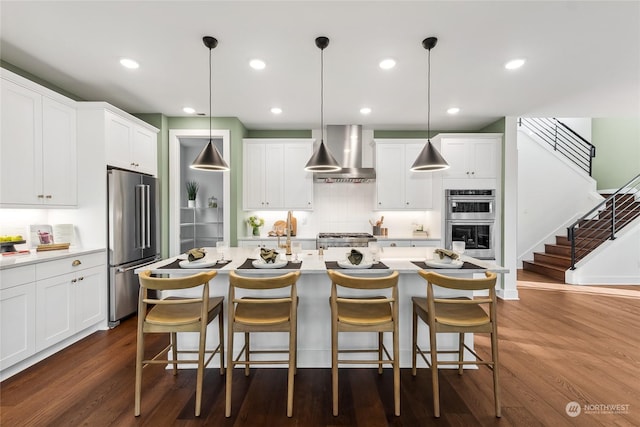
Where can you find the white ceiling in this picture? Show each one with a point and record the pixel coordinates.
(583, 58)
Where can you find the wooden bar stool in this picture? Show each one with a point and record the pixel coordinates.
(459, 315)
(177, 314)
(257, 313)
(365, 313)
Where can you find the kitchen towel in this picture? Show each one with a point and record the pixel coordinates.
(248, 265)
(333, 265)
(466, 265)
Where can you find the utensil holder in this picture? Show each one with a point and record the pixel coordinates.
(377, 231)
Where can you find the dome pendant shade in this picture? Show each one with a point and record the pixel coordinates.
(322, 161)
(210, 159)
(429, 160)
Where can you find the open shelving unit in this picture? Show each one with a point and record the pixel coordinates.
(200, 227)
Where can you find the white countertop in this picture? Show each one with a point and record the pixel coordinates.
(34, 257)
(395, 258)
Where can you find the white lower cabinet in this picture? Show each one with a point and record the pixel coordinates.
(68, 304)
(43, 304)
(17, 323)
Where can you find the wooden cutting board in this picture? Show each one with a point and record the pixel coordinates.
(53, 247)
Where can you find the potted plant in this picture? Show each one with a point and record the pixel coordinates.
(255, 223)
(192, 191)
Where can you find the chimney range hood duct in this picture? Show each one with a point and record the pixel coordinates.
(345, 143)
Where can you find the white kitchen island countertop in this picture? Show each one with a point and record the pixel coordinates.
(314, 316)
(396, 258)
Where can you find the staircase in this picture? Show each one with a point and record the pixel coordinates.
(601, 224)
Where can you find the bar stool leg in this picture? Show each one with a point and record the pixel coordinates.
(460, 352)
(414, 341)
(380, 342)
(247, 351)
(434, 374)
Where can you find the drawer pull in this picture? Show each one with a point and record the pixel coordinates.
(74, 280)
(80, 278)
(76, 262)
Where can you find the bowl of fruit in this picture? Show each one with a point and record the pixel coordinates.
(7, 242)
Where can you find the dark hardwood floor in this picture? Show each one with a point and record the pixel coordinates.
(558, 344)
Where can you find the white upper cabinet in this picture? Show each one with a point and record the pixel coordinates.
(274, 175)
(112, 137)
(396, 186)
(38, 147)
(471, 157)
(129, 145)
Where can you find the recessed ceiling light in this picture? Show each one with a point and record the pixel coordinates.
(257, 64)
(129, 63)
(514, 64)
(276, 110)
(453, 110)
(387, 64)
(365, 110)
(189, 110)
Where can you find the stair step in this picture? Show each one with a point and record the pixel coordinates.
(557, 249)
(548, 270)
(552, 259)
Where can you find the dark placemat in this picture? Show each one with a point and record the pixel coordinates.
(248, 265)
(466, 265)
(333, 265)
(176, 264)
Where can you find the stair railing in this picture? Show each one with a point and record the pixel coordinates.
(603, 221)
(563, 139)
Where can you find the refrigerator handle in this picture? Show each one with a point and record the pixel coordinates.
(139, 232)
(147, 218)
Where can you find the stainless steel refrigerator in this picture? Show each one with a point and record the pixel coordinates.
(133, 234)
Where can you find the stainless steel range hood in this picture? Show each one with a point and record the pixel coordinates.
(345, 143)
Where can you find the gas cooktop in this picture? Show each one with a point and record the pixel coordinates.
(329, 240)
(343, 235)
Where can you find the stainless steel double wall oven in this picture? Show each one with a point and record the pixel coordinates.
(470, 218)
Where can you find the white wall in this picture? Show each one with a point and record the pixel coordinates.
(551, 194)
(582, 126)
(623, 254)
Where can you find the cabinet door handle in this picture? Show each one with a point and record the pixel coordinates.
(40, 196)
(473, 173)
(76, 262)
(73, 280)
(407, 203)
(132, 164)
(393, 245)
(81, 278)
(48, 196)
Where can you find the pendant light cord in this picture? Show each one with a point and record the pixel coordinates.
(322, 95)
(429, 95)
(209, 94)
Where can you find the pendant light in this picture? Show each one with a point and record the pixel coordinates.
(210, 158)
(429, 160)
(322, 160)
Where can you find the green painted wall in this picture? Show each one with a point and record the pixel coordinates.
(269, 133)
(617, 142)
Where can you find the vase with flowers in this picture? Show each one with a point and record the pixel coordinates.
(255, 222)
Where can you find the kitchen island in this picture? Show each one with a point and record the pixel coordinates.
(314, 330)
